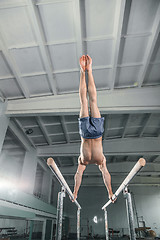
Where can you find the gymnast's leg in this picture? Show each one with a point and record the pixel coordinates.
(92, 90)
(83, 89)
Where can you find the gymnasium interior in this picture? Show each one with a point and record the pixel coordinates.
(41, 42)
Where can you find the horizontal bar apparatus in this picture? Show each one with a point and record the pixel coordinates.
(137, 167)
(52, 165)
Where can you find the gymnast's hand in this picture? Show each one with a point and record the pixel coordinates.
(75, 196)
(111, 195)
(82, 62)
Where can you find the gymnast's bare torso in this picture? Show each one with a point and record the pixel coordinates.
(91, 151)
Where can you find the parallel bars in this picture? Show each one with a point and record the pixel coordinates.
(138, 166)
(65, 188)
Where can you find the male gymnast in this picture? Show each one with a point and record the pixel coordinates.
(90, 129)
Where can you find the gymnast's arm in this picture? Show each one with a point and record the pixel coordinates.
(106, 178)
(78, 179)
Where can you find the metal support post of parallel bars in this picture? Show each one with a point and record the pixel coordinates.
(78, 223)
(130, 215)
(61, 195)
(106, 224)
(65, 188)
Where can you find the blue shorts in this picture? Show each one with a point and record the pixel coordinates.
(90, 127)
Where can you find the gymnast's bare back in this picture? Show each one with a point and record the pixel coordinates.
(91, 151)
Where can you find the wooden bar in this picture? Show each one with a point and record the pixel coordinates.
(137, 167)
(52, 165)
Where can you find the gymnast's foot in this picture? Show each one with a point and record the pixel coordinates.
(88, 63)
(82, 62)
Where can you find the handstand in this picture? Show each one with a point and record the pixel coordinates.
(90, 129)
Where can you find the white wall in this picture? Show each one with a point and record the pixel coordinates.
(11, 166)
(147, 201)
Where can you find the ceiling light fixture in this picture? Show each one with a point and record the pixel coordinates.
(29, 131)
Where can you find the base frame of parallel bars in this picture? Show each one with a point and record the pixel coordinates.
(106, 224)
(78, 223)
(130, 215)
(61, 195)
(59, 221)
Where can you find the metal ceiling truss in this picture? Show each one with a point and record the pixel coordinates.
(13, 67)
(19, 135)
(125, 125)
(123, 146)
(120, 12)
(41, 42)
(65, 129)
(21, 127)
(150, 47)
(117, 101)
(145, 123)
(44, 130)
(78, 30)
